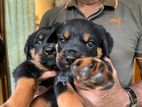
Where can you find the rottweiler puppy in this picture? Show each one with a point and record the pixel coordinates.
(40, 52)
(79, 38)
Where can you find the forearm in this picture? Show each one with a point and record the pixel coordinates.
(139, 62)
(138, 90)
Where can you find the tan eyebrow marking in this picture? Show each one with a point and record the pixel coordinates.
(66, 34)
(40, 36)
(86, 37)
(99, 52)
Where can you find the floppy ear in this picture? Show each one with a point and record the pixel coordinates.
(54, 32)
(107, 42)
(52, 38)
(28, 45)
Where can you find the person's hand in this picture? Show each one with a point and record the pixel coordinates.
(113, 97)
(47, 75)
(41, 89)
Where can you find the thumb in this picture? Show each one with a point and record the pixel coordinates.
(114, 72)
(47, 75)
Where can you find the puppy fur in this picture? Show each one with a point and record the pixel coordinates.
(40, 57)
(79, 38)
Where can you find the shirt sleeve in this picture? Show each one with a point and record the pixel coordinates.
(49, 17)
(138, 52)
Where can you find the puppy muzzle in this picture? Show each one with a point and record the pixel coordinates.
(71, 55)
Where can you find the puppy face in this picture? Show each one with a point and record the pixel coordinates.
(81, 38)
(40, 47)
(92, 73)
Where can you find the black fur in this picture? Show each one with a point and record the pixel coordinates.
(41, 47)
(51, 97)
(60, 82)
(26, 69)
(71, 49)
(74, 47)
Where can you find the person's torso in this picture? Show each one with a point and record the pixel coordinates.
(123, 24)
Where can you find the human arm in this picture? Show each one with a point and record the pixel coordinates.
(138, 87)
(138, 56)
(115, 96)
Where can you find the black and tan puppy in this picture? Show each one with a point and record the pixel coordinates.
(80, 38)
(40, 52)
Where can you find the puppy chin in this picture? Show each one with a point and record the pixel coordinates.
(50, 64)
(63, 66)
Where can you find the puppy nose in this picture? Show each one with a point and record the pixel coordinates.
(70, 59)
(71, 56)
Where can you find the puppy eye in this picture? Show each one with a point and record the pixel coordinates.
(61, 39)
(38, 43)
(90, 44)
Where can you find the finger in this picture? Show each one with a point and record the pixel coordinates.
(114, 72)
(48, 74)
(107, 59)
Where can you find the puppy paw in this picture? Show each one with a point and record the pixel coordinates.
(92, 73)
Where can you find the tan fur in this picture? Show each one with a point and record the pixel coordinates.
(41, 37)
(40, 102)
(69, 99)
(99, 52)
(36, 59)
(66, 34)
(86, 37)
(23, 94)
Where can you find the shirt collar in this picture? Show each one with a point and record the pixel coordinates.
(110, 3)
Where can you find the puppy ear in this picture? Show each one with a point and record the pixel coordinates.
(54, 32)
(107, 43)
(28, 45)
